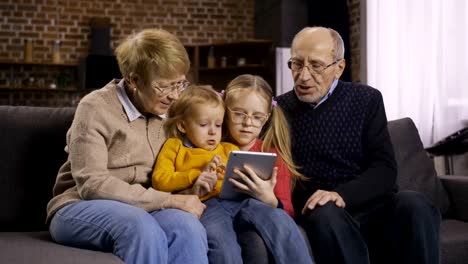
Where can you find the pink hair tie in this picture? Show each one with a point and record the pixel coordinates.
(221, 94)
(273, 103)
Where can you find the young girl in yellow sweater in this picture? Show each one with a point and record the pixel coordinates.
(188, 160)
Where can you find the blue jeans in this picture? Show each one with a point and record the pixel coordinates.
(223, 219)
(131, 233)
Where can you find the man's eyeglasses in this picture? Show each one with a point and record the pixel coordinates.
(239, 117)
(179, 87)
(314, 68)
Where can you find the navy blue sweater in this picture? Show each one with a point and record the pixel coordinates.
(343, 145)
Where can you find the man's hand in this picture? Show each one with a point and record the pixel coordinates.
(187, 203)
(321, 197)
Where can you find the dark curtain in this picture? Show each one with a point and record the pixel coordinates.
(333, 14)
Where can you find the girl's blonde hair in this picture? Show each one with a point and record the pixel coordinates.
(152, 51)
(182, 108)
(276, 134)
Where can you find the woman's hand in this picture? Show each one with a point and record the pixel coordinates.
(255, 186)
(187, 203)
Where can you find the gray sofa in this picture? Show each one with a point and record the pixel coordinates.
(449, 193)
(32, 140)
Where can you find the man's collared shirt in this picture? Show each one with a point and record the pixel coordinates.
(330, 91)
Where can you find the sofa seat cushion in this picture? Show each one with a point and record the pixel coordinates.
(454, 244)
(38, 247)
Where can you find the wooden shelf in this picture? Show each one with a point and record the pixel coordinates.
(247, 42)
(258, 55)
(36, 89)
(232, 67)
(22, 63)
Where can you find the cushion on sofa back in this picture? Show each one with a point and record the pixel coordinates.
(32, 141)
(415, 169)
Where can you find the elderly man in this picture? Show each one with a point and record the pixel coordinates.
(349, 205)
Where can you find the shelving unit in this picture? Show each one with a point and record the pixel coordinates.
(32, 83)
(41, 96)
(19, 75)
(29, 83)
(243, 57)
(6, 62)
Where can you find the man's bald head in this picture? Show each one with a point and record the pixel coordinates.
(320, 36)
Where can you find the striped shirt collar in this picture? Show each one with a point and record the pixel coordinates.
(187, 143)
(131, 111)
(332, 88)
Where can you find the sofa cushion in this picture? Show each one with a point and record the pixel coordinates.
(415, 169)
(32, 140)
(37, 247)
(454, 243)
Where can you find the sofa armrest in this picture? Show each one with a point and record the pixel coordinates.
(457, 189)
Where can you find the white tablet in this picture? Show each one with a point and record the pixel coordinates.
(260, 162)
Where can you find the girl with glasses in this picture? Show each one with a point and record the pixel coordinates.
(241, 229)
(250, 103)
(253, 114)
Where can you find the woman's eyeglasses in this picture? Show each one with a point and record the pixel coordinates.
(179, 87)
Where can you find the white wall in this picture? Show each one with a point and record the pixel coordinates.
(284, 81)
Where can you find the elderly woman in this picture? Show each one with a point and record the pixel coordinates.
(102, 195)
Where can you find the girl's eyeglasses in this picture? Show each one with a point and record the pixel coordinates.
(239, 117)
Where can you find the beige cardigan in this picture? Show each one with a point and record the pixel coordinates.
(108, 156)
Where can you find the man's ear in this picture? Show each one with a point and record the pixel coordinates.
(340, 68)
(180, 126)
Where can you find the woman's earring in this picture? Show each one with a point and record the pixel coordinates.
(133, 89)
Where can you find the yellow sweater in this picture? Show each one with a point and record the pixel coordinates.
(178, 166)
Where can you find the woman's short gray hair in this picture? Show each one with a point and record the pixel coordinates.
(152, 51)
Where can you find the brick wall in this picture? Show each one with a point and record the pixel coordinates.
(43, 21)
(354, 35)
(193, 21)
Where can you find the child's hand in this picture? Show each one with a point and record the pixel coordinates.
(215, 162)
(255, 186)
(204, 183)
